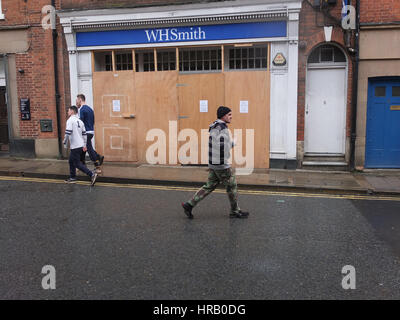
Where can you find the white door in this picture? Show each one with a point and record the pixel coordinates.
(325, 120)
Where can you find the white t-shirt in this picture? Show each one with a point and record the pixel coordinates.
(76, 132)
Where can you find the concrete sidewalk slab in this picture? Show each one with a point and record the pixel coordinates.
(278, 179)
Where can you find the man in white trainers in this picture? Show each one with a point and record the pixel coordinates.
(76, 134)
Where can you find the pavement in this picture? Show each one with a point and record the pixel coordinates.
(377, 182)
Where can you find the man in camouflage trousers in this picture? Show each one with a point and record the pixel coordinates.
(220, 171)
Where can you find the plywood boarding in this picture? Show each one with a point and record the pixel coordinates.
(113, 96)
(192, 89)
(253, 87)
(156, 104)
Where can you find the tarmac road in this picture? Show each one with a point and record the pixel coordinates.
(134, 242)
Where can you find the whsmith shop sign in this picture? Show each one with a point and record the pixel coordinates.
(271, 29)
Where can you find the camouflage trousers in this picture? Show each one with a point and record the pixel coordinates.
(227, 178)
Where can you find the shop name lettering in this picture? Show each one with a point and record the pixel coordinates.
(162, 35)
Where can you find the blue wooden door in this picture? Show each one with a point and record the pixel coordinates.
(383, 124)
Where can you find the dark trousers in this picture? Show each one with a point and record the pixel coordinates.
(75, 163)
(94, 156)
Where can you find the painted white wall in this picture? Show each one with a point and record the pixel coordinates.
(278, 104)
(284, 80)
(85, 80)
(293, 62)
(85, 76)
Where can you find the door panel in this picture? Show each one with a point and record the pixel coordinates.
(193, 88)
(115, 131)
(383, 125)
(325, 119)
(254, 87)
(156, 102)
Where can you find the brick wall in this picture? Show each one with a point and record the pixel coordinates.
(37, 81)
(311, 34)
(98, 4)
(382, 11)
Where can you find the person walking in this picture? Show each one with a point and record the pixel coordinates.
(220, 171)
(86, 114)
(75, 133)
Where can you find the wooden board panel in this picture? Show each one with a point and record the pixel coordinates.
(156, 104)
(254, 87)
(115, 135)
(191, 89)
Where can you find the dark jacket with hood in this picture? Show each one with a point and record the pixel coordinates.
(219, 146)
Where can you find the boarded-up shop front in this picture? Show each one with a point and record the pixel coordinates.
(155, 89)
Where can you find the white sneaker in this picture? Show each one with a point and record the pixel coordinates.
(94, 177)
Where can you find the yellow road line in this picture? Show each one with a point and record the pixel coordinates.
(191, 189)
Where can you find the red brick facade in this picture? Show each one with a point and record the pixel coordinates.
(383, 11)
(37, 80)
(311, 34)
(99, 4)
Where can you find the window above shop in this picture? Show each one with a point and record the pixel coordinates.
(123, 61)
(145, 61)
(103, 61)
(246, 58)
(208, 59)
(166, 60)
(200, 59)
(327, 54)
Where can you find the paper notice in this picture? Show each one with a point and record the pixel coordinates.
(116, 105)
(244, 107)
(203, 105)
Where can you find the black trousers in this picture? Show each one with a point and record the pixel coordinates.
(94, 156)
(75, 163)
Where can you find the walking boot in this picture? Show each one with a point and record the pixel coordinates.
(188, 210)
(241, 214)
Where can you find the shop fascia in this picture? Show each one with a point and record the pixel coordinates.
(182, 25)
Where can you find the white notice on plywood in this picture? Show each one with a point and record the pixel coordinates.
(244, 107)
(116, 105)
(203, 105)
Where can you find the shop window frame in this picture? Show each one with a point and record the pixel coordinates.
(121, 64)
(192, 54)
(137, 63)
(249, 50)
(98, 63)
(170, 64)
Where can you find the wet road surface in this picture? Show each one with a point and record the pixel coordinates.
(123, 242)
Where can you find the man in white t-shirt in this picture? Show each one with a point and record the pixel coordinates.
(75, 132)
